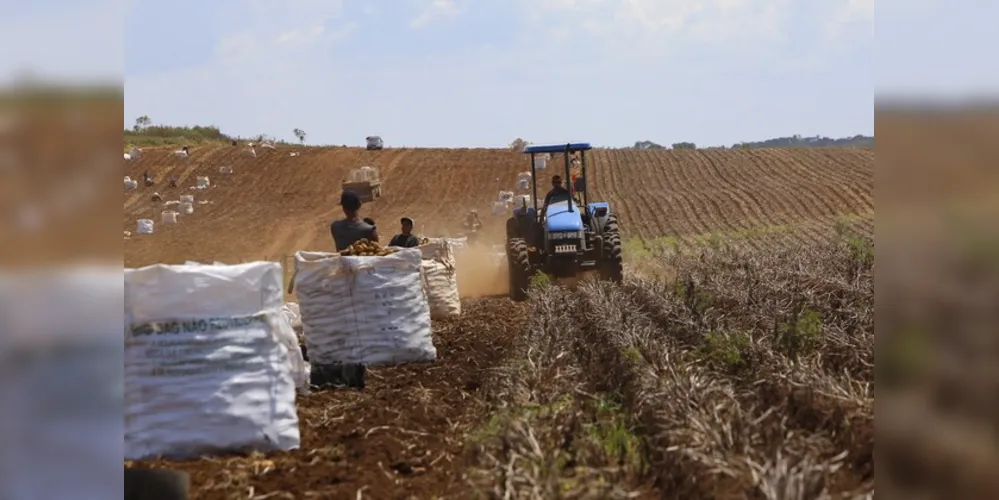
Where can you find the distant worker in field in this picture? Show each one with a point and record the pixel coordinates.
(406, 238)
(472, 221)
(351, 228)
(557, 190)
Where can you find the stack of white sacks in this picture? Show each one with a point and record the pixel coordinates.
(211, 361)
(370, 310)
(213, 364)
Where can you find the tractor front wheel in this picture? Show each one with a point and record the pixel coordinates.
(611, 261)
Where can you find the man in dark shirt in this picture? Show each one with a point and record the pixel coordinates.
(405, 239)
(350, 229)
(557, 190)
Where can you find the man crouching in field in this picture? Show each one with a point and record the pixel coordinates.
(351, 229)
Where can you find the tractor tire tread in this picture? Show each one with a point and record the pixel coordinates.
(520, 268)
(611, 265)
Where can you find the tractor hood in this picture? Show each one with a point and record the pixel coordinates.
(559, 218)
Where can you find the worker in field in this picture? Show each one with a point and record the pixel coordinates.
(557, 190)
(406, 238)
(472, 221)
(351, 228)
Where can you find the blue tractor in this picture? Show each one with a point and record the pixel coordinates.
(571, 236)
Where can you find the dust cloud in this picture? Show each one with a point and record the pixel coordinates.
(482, 271)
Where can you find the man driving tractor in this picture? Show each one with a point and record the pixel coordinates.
(557, 190)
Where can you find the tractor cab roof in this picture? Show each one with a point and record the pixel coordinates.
(558, 148)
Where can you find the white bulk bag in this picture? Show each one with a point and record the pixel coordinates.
(445, 249)
(211, 361)
(505, 196)
(540, 162)
(436, 248)
(144, 226)
(187, 208)
(292, 312)
(458, 244)
(203, 182)
(440, 281)
(522, 200)
(168, 217)
(131, 184)
(370, 310)
(499, 208)
(187, 198)
(61, 392)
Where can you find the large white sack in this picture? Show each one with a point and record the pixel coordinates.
(442, 249)
(440, 279)
(61, 390)
(210, 361)
(370, 310)
(439, 247)
(441, 285)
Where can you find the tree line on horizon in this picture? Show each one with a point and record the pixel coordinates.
(144, 133)
(795, 141)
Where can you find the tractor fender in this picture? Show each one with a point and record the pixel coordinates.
(600, 214)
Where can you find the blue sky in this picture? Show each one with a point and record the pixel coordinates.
(482, 72)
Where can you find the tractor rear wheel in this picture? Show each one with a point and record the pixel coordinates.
(519, 263)
(611, 262)
(512, 228)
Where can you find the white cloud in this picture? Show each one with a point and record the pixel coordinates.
(302, 36)
(265, 55)
(656, 28)
(435, 10)
(847, 20)
(265, 29)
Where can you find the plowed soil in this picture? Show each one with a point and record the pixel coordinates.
(406, 434)
(402, 433)
(275, 204)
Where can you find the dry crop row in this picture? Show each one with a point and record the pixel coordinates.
(750, 372)
(679, 193)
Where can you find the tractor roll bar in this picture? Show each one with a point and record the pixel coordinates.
(568, 177)
(534, 184)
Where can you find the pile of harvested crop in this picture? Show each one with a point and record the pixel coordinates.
(366, 248)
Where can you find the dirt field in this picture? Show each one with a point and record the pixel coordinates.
(277, 203)
(748, 373)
